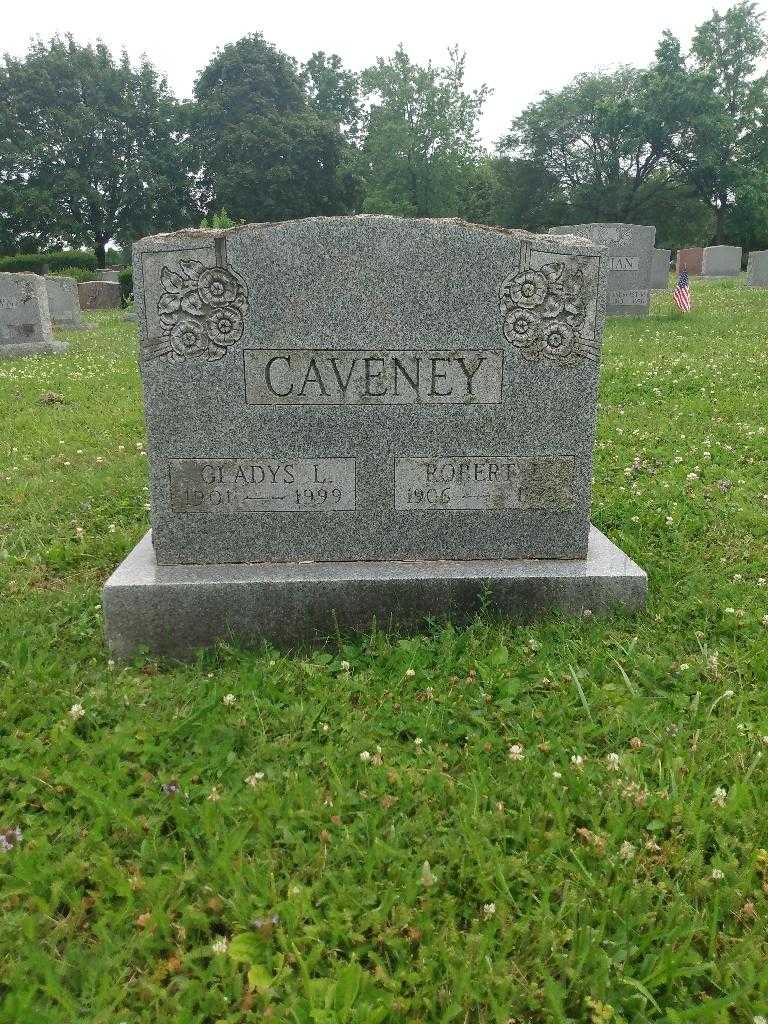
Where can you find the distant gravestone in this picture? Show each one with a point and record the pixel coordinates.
(721, 261)
(99, 295)
(630, 249)
(364, 418)
(691, 260)
(64, 302)
(757, 269)
(108, 275)
(25, 320)
(660, 268)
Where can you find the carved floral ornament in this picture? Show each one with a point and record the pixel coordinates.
(201, 310)
(545, 312)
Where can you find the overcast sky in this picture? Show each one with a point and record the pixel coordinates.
(517, 48)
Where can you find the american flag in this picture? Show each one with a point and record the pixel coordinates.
(682, 294)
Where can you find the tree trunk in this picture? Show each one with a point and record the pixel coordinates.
(720, 212)
(101, 254)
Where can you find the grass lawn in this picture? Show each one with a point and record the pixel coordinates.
(561, 822)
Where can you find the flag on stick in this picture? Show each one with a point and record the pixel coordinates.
(682, 294)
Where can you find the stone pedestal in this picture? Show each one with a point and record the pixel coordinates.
(99, 295)
(175, 610)
(721, 261)
(660, 269)
(757, 269)
(25, 319)
(690, 259)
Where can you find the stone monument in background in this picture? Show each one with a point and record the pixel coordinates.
(99, 295)
(660, 269)
(757, 269)
(359, 419)
(25, 319)
(690, 259)
(721, 261)
(64, 302)
(630, 255)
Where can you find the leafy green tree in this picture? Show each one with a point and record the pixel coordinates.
(93, 149)
(601, 139)
(513, 193)
(333, 92)
(721, 149)
(266, 153)
(420, 135)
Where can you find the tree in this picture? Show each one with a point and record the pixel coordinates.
(721, 148)
(602, 139)
(420, 138)
(93, 149)
(513, 193)
(266, 154)
(333, 92)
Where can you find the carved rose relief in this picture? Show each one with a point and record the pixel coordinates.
(545, 310)
(201, 310)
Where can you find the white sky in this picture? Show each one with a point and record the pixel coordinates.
(519, 49)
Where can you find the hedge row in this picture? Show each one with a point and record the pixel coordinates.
(35, 262)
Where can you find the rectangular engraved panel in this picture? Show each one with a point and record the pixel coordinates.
(360, 377)
(623, 263)
(631, 297)
(492, 483)
(262, 485)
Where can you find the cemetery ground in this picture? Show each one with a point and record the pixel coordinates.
(558, 821)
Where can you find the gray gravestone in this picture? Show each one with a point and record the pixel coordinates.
(338, 406)
(721, 261)
(757, 269)
(64, 302)
(630, 249)
(108, 275)
(99, 295)
(25, 320)
(660, 268)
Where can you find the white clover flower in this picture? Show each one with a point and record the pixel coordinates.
(489, 909)
(717, 875)
(345, 666)
(255, 779)
(76, 711)
(719, 797)
(410, 673)
(557, 775)
(577, 760)
(692, 476)
(515, 752)
(220, 945)
(612, 761)
(365, 756)
(228, 699)
(627, 851)
(418, 742)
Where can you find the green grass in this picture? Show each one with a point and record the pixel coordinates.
(600, 873)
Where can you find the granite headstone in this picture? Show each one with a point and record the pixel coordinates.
(690, 259)
(64, 302)
(721, 261)
(99, 295)
(337, 406)
(25, 319)
(660, 269)
(757, 269)
(630, 254)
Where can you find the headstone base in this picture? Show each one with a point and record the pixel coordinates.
(38, 348)
(174, 610)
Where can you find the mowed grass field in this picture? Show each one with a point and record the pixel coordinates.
(556, 822)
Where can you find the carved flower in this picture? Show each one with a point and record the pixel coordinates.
(217, 286)
(521, 327)
(188, 338)
(192, 303)
(527, 289)
(553, 303)
(224, 326)
(558, 339)
(168, 304)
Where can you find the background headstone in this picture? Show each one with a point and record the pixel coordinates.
(99, 295)
(630, 249)
(25, 320)
(108, 275)
(660, 268)
(64, 302)
(757, 269)
(721, 261)
(690, 259)
(355, 417)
